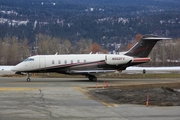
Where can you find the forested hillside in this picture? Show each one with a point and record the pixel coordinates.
(72, 26)
(100, 20)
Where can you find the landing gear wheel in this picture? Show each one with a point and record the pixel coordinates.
(28, 79)
(92, 78)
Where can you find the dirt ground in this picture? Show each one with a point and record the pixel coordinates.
(165, 94)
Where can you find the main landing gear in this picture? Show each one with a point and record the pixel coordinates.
(28, 78)
(92, 78)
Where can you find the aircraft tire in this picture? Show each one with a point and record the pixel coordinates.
(92, 78)
(28, 79)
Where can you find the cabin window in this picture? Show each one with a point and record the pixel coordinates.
(78, 61)
(52, 61)
(84, 61)
(59, 62)
(65, 62)
(71, 61)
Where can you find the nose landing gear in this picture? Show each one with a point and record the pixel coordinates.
(28, 78)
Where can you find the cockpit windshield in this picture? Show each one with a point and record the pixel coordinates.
(28, 59)
(25, 60)
(31, 59)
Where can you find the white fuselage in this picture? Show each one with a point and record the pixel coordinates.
(77, 61)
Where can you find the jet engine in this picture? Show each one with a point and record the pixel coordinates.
(117, 59)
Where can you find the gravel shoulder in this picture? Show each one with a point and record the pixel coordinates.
(162, 94)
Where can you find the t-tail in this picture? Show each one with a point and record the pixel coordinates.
(144, 46)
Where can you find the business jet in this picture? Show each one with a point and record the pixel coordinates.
(89, 65)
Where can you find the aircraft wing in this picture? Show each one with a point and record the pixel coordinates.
(92, 71)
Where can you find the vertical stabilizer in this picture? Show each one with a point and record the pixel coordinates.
(144, 46)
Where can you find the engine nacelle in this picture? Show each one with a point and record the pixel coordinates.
(117, 59)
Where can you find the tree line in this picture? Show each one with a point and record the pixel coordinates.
(165, 53)
(14, 50)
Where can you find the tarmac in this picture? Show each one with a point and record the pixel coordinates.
(64, 99)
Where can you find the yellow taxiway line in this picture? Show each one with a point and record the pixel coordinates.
(16, 89)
